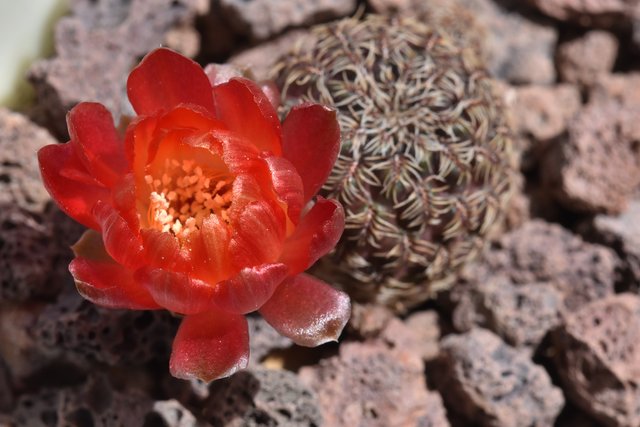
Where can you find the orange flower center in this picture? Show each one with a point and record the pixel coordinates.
(184, 196)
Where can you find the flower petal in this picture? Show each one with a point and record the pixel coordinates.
(163, 250)
(177, 292)
(69, 183)
(140, 142)
(209, 346)
(258, 235)
(215, 237)
(307, 310)
(287, 184)
(124, 200)
(120, 240)
(311, 141)
(250, 289)
(318, 232)
(270, 89)
(164, 79)
(247, 111)
(97, 142)
(103, 281)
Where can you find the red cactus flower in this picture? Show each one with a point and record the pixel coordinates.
(205, 208)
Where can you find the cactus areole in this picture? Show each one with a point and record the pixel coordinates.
(425, 164)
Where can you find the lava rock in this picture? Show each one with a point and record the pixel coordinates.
(368, 320)
(590, 13)
(598, 357)
(598, 167)
(97, 45)
(263, 340)
(260, 60)
(6, 389)
(492, 384)
(520, 314)
(27, 255)
(623, 89)
(418, 334)
(574, 417)
(543, 112)
(20, 140)
(584, 59)
(170, 413)
(261, 397)
(516, 49)
(623, 234)
(545, 252)
(19, 348)
(262, 19)
(540, 114)
(368, 384)
(95, 404)
(88, 333)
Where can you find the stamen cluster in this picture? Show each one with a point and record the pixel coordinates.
(184, 196)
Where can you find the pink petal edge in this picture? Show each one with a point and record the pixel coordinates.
(307, 310)
(110, 285)
(209, 346)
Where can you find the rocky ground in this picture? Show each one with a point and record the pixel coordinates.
(544, 330)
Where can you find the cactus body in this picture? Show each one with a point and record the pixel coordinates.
(424, 169)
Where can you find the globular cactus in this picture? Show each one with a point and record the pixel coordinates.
(425, 167)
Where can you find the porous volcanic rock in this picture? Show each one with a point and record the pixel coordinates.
(623, 234)
(540, 114)
(95, 404)
(263, 339)
(259, 60)
(623, 89)
(20, 140)
(418, 334)
(261, 19)
(590, 13)
(6, 390)
(19, 349)
(492, 384)
(97, 45)
(520, 314)
(88, 333)
(368, 320)
(544, 252)
(171, 413)
(368, 384)
(598, 356)
(597, 168)
(27, 255)
(517, 49)
(259, 397)
(584, 59)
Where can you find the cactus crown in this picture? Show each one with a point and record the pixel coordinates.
(424, 165)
